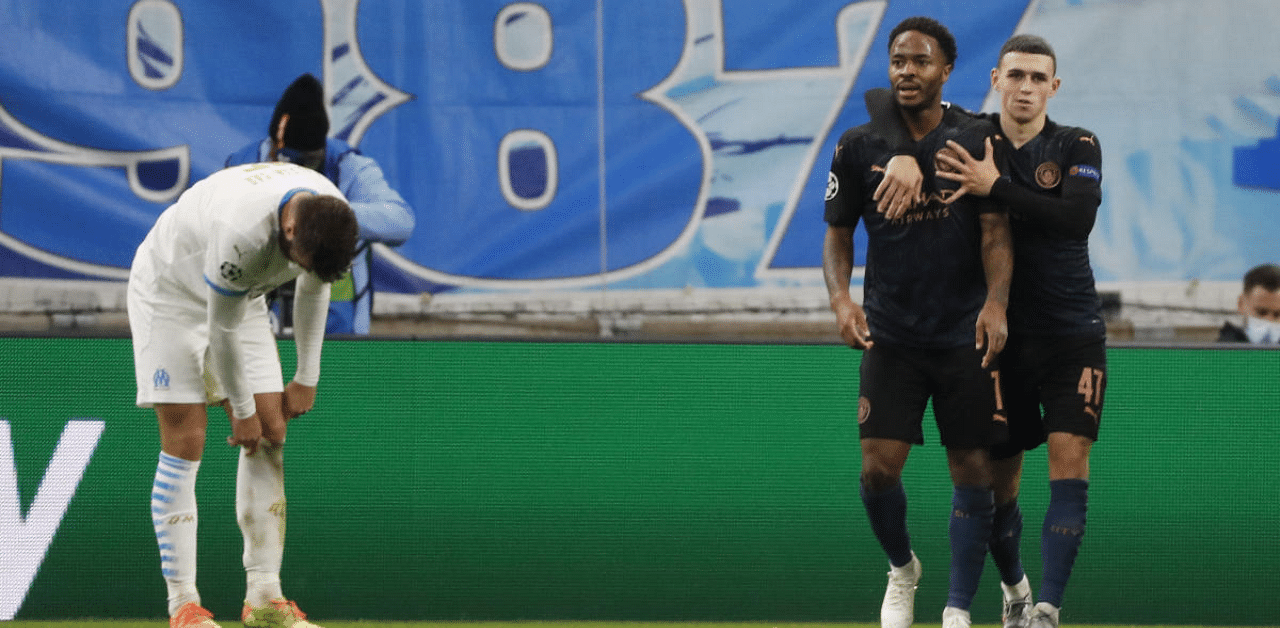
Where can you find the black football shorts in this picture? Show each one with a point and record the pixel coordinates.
(1051, 384)
(897, 383)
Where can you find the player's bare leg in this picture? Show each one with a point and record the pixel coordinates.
(1069, 456)
(173, 506)
(182, 429)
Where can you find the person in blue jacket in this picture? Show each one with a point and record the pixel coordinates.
(298, 133)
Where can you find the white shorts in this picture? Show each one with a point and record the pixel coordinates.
(171, 350)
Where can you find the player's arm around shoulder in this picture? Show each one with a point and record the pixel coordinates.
(901, 187)
(1071, 212)
(969, 160)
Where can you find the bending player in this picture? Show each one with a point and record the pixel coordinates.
(201, 334)
(1050, 178)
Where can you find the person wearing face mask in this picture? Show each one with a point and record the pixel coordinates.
(298, 133)
(1260, 306)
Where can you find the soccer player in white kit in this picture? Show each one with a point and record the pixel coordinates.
(201, 336)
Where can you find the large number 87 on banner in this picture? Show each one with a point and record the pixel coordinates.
(534, 162)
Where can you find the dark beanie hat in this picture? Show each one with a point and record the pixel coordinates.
(308, 122)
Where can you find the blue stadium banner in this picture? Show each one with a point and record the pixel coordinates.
(570, 144)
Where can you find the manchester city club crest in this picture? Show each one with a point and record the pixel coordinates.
(1048, 175)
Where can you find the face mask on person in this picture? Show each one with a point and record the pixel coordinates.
(313, 159)
(1262, 331)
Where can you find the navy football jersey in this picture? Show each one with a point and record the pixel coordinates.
(924, 284)
(1052, 186)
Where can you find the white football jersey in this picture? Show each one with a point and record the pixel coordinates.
(224, 233)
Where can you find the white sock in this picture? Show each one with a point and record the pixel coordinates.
(1016, 591)
(1047, 609)
(173, 514)
(260, 510)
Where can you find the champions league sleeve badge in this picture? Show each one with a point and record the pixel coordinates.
(231, 272)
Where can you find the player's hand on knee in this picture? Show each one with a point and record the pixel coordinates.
(298, 400)
(273, 427)
(245, 433)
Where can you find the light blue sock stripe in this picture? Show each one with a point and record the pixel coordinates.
(176, 462)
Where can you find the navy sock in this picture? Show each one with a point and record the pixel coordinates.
(972, 508)
(887, 510)
(1006, 538)
(1061, 536)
